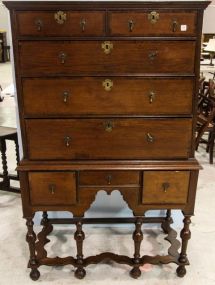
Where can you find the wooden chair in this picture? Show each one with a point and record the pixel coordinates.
(8, 134)
(206, 124)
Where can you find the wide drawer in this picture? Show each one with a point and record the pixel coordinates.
(107, 95)
(110, 57)
(108, 138)
(52, 188)
(156, 23)
(61, 23)
(109, 178)
(165, 187)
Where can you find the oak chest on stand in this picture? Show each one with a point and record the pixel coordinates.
(107, 100)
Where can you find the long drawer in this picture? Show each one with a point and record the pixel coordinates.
(106, 57)
(106, 95)
(108, 138)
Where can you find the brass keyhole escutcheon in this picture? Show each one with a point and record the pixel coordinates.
(109, 126)
(151, 96)
(107, 84)
(52, 188)
(153, 17)
(107, 47)
(83, 24)
(60, 17)
(131, 25)
(165, 186)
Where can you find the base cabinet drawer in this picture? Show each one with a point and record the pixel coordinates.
(52, 188)
(165, 187)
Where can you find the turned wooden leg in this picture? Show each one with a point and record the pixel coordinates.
(31, 239)
(17, 152)
(6, 181)
(137, 237)
(185, 236)
(167, 222)
(79, 237)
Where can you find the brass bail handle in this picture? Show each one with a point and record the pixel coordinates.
(109, 179)
(83, 24)
(131, 25)
(52, 188)
(165, 186)
(107, 47)
(174, 26)
(67, 141)
(149, 138)
(109, 126)
(38, 24)
(62, 56)
(151, 96)
(65, 96)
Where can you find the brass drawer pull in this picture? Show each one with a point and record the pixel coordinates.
(62, 57)
(52, 188)
(65, 96)
(83, 24)
(109, 179)
(107, 84)
(149, 138)
(39, 24)
(153, 17)
(174, 26)
(131, 25)
(107, 47)
(152, 55)
(60, 17)
(165, 186)
(109, 126)
(151, 96)
(67, 141)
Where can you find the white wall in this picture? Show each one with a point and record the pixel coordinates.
(209, 19)
(4, 24)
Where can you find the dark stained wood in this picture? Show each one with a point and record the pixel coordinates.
(128, 139)
(95, 139)
(48, 26)
(142, 26)
(89, 57)
(87, 96)
(52, 188)
(170, 187)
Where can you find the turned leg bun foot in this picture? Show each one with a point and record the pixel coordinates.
(35, 274)
(181, 271)
(80, 273)
(135, 272)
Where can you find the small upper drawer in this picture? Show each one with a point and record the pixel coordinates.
(165, 187)
(109, 178)
(52, 188)
(152, 23)
(59, 23)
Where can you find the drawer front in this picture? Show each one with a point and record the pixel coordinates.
(52, 188)
(108, 138)
(115, 57)
(165, 187)
(107, 95)
(109, 178)
(59, 23)
(155, 23)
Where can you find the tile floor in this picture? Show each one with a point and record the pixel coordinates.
(201, 249)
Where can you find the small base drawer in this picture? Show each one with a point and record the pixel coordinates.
(109, 178)
(165, 187)
(52, 188)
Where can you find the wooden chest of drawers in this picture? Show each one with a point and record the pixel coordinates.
(107, 98)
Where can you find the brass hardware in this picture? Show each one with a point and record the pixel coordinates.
(109, 178)
(151, 96)
(153, 17)
(165, 186)
(174, 26)
(107, 46)
(62, 56)
(65, 96)
(107, 84)
(149, 138)
(52, 188)
(152, 55)
(67, 140)
(131, 25)
(60, 17)
(39, 24)
(109, 126)
(83, 24)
